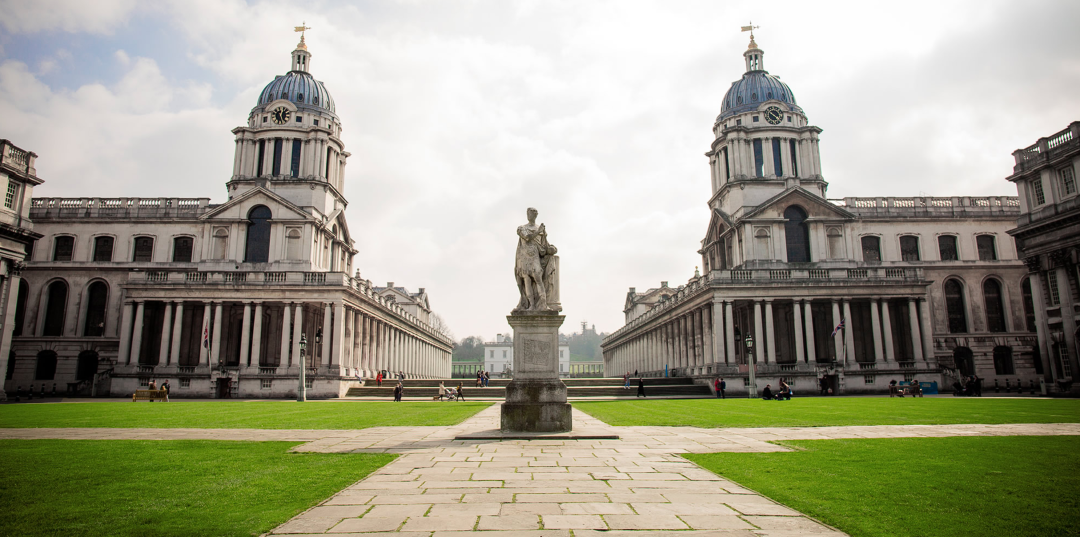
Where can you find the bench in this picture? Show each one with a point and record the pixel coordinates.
(150, 395)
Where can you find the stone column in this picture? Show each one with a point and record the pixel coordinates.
(177, 332)
(1042, 330)
(707, 335)
(757, 332)
(785, 159)
(886, 327)
(256, 339)
(684, 343)
(849, 337)
(811, 348)
(348, 349)
(913, 319)
(766, 154)
(770, 332)
(137, 330)
(926, 331)
(796, 309)
(328, 335)
(245, 336)
(875, 324)
(729, 332)
(204, 331)
(838, 338)
(286, 331)
(699, 340)
(298, 330)
(215, 343)
(124, 356)
(365, 345)
(166, 329)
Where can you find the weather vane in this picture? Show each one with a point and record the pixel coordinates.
(303, 26)
(749, 28)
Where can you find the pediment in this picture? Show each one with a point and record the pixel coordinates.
(814, 205)
(238, 207)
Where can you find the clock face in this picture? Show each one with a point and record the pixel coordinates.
(280, 115)
(774, 115)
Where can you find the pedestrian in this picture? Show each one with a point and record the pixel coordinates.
(487, 379)
(398, 392)
(721, 385)
(378, 379)
(635, 373)
(165, 388)
(152, 386)
(460, 394)
(978, 385)
(641, 388)
(626, 380)
(479, 378)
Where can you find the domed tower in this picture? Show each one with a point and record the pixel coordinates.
(764, 144)
(291, 144)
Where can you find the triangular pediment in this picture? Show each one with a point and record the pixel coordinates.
(281, 208)
(815, 206)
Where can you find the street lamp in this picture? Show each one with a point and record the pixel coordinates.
(301, 392)
(750, 361)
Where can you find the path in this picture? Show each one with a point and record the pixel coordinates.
(510, 488)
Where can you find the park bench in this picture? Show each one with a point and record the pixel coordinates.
(150, 395)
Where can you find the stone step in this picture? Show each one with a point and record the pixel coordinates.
(570, 382)
(687, 390)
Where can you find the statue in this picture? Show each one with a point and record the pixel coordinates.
(536, 268)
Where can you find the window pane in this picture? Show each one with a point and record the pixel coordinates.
(871, 247)
(778, 163)
(947, 248)
(98, 298)
(63, 248)
(54, 309)
(985, 243)
(103, 247)
(1068, 180)
(258, 235)
(995, 311)
(954, 304)
(909, 248)
(144, 249)
(759, 159)
(182, 249)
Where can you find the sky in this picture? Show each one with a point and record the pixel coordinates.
(461, 114)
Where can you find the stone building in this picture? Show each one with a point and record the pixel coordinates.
(1048, 236)
(18, 178)
(221, 299)
(928, 287)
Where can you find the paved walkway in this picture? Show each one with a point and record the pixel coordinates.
(441, 487)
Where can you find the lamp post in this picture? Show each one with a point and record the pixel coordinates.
(749, 359)
(301, 392)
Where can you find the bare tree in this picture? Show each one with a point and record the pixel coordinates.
(440, 326)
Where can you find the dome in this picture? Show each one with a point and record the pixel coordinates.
(754, 88)
(301, 89)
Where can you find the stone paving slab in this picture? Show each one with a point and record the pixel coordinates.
(441, 486)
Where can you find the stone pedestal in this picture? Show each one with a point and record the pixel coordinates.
(536, 398)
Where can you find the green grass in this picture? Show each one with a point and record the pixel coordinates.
(1014, 486)
(238, 415)
(825, 411)
(179, 487)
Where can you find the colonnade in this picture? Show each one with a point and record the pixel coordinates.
(735, 158)
(696, 339)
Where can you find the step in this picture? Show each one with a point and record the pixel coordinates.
(571, 391)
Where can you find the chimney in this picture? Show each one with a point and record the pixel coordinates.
(633, 289)
(663, 285)
(390, 284)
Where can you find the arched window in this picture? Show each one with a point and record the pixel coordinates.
(871, 249)
(1029, 305)
(87, 365)
(995, 310)
(55, 306)
(762, 249)
(947, 248)
(962, 357)
(1003, 361)
(292, 244)
(46, 366)
(20, 308)
(954, 305)
(97, 299)
(182, 249)
(103, 247)
(987, 248)
(798, 235)
(63, 248)
(144, 249)
(909, 248)
(258, 235)
(221, 243)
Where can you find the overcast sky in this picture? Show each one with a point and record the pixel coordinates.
(460, 114)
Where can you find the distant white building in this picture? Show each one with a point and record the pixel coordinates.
(499, 357)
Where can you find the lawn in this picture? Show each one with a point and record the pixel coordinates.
(238, 414)
(146, 487)
(824, 411)
(1014, 486)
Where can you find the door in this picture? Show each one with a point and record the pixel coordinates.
(224, 388)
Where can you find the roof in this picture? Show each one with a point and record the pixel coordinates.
(753, 89)
(301, 89)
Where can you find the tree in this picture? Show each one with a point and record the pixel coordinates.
(440, 325)
(469, 349)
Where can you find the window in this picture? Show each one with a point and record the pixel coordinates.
(267, 383)
(793, 152)
(20, 307)
(294, 164)
(258, 235)
(1029, 305)
(954, 305)
(46, 366)
(185, 383)
(504, 354)
(738, 121)
(909, 248)
(86, 366)
(727, 165)
(299, 119)
(309, 382)
(871, 249)
(985, 244)
(97, 299)
(762, 247)
(1037, 190)
(1003, 361)
(797, 234)
(62, 248)
(144, 249)
(947, 248)
(276, 168)
(492, 354)
(755, 117)
(221, 243)
(292, 244)
(1052, 284)
(778, 161)
(182, 249)
(9, 197)
(103, 247)
(964, 361)
(315, 122)
(995, 309)
(868, 379)
(262, 156)
(836, 243)
(759, 159)
(1068, 181)
(55, 307)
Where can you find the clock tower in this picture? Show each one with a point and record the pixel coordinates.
(291, 144)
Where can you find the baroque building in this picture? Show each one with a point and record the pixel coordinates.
(928, 288)
(1048, 235)
(222, 300)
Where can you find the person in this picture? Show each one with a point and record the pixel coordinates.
(152, 386)
(398, 392)
(785, 391)
(487, 379)
(766, 394)
(977, 385)
(626, 380)
(641, 388)
(165, 388)
(915, 389)
(635, 373)
(716, 387)
(378, 379)
(442, 391)
(460, 394)
(479, 378)
(723, 387)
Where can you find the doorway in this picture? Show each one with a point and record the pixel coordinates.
(224, 388)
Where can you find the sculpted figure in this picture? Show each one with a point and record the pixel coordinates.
(536, 268)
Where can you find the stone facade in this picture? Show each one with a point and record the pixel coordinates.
(927, 287)
(219, 299)
(1048, 235)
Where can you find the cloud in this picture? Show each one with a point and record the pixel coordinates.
(94, 17)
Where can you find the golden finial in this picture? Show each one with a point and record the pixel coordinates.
(751, 29)
(303, 26)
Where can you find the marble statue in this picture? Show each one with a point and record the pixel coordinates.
(536, 268)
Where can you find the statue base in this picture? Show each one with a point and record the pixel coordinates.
(536, 398)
